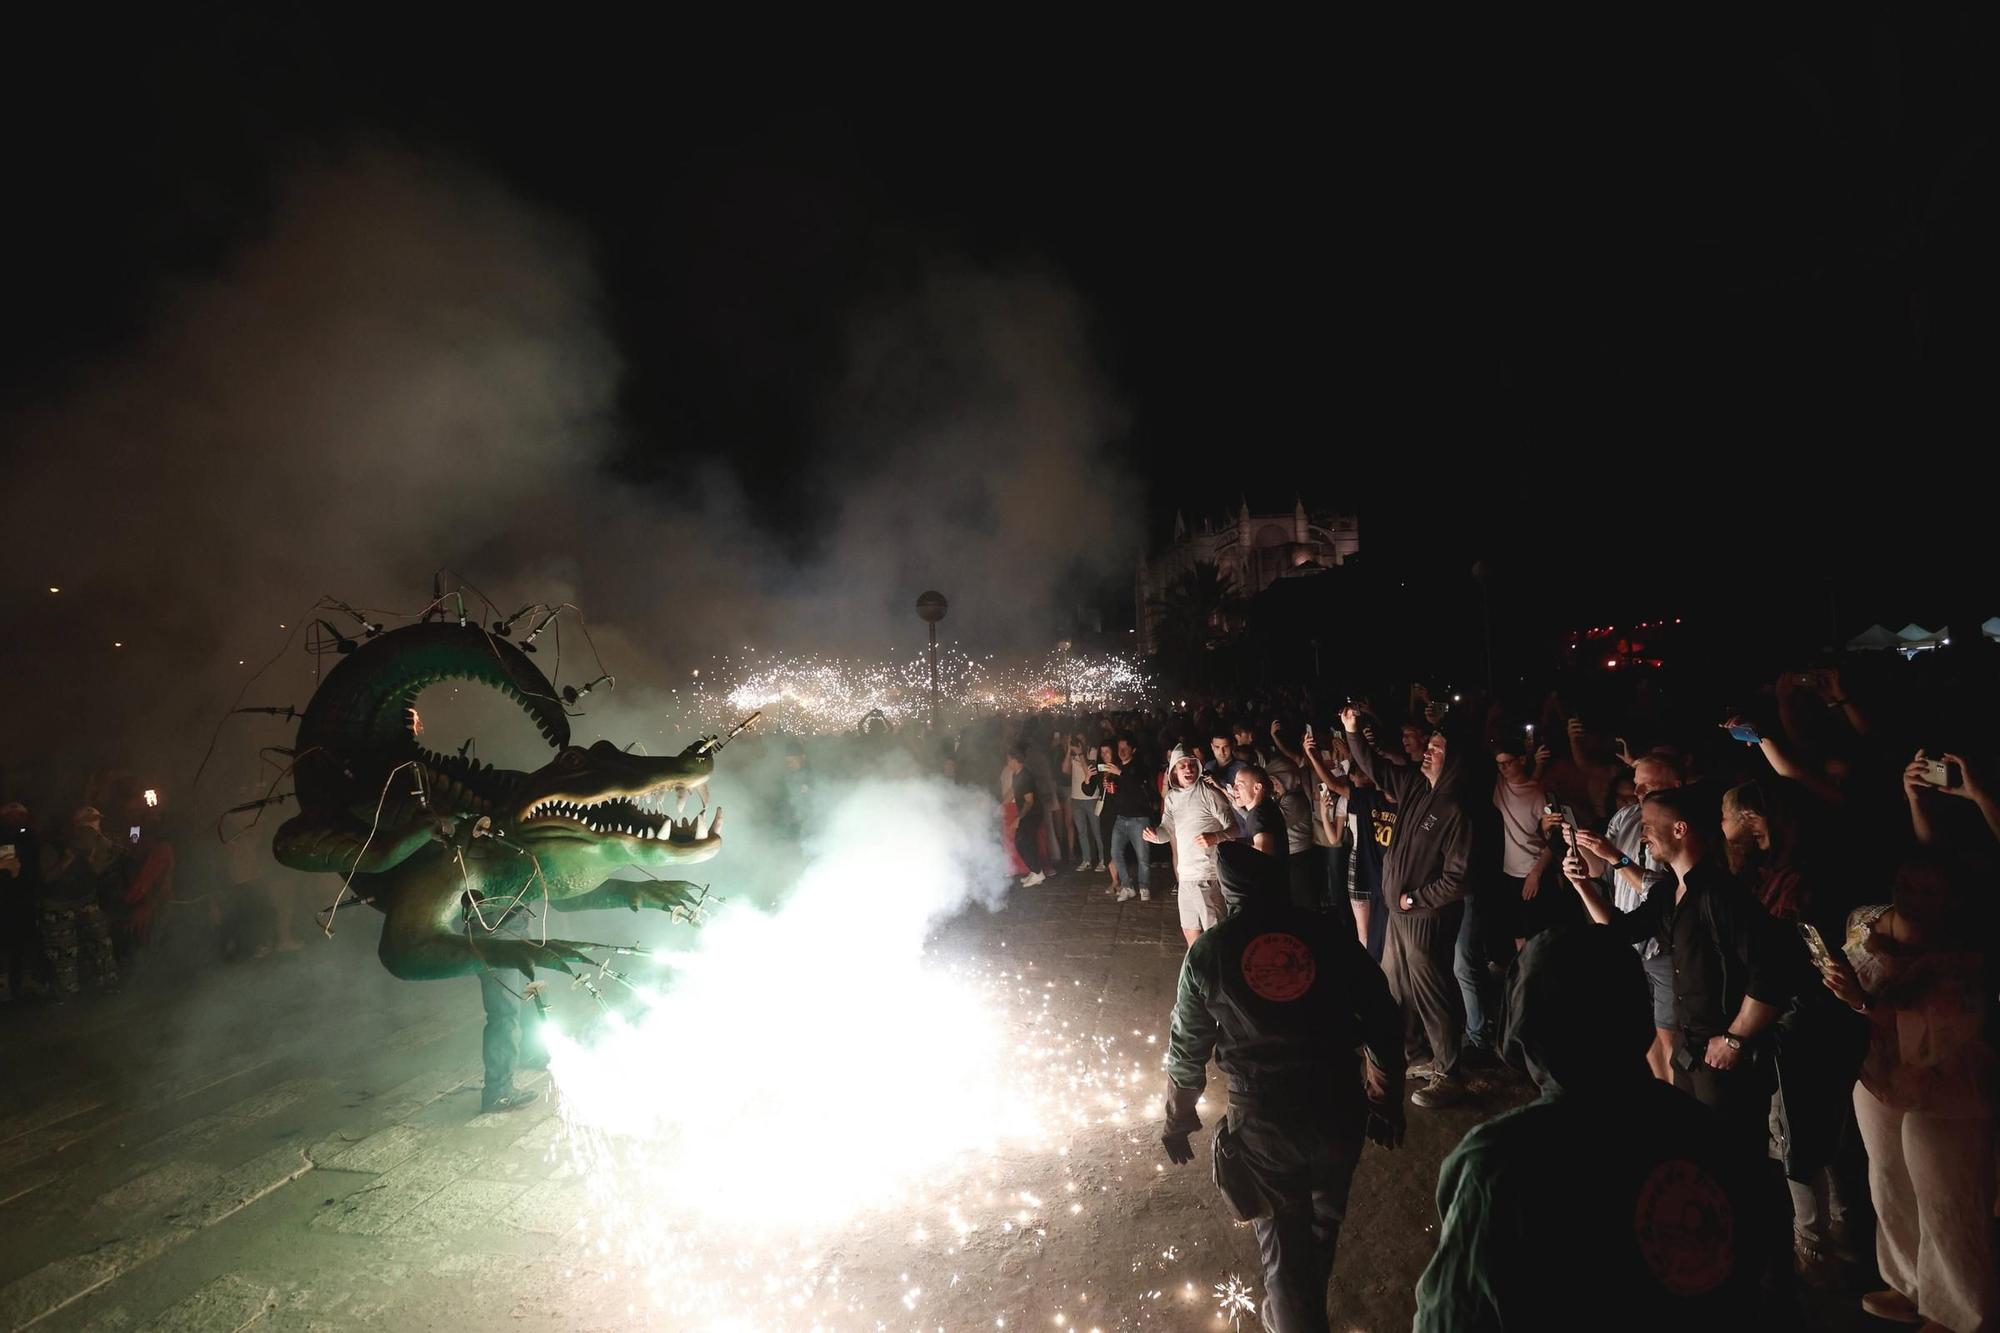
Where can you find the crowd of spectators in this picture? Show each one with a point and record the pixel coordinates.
(89, 885)
(1805, 875)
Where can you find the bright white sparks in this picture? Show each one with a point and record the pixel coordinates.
(819, 695)
(802, 1071)
(1235, 1299)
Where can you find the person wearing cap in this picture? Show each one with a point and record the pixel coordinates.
(1283, 999)
(1196, 816)
(72, 918)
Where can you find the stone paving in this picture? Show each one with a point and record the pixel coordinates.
(294, 1144)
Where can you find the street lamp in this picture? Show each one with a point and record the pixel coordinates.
(931, 607)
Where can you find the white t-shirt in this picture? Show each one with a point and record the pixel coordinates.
(1190, 812)
(1079, 773)
(1520, 825)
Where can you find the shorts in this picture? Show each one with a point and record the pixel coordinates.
(1201, 903)
(1660, 976)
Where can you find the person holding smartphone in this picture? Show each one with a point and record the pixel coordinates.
(73, 925)
(1424, 883)
(1085, 795)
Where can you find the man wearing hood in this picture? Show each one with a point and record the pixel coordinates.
(1613, 1199)
(1283, 998)
(1424, 885)
(1195, 819)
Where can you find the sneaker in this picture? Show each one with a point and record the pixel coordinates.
(1145, 895)
(511, 1100)
(1081, 866)
(1443, 1090)
(1099, 868)
(1126, 895)
(1422, 1069)
(1893, 1306)
(1030, 881)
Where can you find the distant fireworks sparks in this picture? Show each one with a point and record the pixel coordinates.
(813, 1093)
(817, 695)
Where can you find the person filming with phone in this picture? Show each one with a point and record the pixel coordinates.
(1731, 973)
(1424, 884)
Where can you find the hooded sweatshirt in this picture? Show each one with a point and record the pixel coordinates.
(1192, 810)
(1434, 831)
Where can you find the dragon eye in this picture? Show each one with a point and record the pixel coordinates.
(570, 759)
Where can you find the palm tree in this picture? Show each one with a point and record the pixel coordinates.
(1199, 612)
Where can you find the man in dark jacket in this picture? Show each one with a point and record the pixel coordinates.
(1732, 976)
(1613, 1194)
(1424, 885)
(20, 895)
(1283, 998)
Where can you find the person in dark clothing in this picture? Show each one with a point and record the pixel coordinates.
(1259, 820)
(1130, 800)
(1612, 1200)
(75, 879)
(1374, 832)
(1731, 976)
(503, 1047)
(1283, 998)
(1424, 883)
(1028, 823)
(21, 957)
(1819, 1044)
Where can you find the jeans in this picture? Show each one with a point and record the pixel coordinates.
(1131, 829)
(500, 1042)
(1089, 843)
(1475, 980)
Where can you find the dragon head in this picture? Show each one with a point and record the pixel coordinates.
(611, 808)
(585, 813)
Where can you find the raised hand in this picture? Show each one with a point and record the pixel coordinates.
(1968, 781)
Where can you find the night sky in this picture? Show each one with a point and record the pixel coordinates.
(1563, 300)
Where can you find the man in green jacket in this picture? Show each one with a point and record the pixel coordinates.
(1283, 999)
(1614, 1201)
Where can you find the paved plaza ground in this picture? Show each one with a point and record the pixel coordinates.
(294, 1143)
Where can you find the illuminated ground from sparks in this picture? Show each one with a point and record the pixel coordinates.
(831, 1117)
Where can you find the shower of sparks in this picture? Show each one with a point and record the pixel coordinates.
(812, 1092)
(820, 695)
(1235, 1299)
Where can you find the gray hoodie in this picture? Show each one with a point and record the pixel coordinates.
(1433, 831)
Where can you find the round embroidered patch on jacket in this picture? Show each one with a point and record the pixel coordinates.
(1278, 966)
(1686, 1228)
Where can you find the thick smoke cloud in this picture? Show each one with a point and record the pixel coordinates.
(409, 368)
(405, 358)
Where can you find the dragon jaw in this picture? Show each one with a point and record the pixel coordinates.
(628, 805)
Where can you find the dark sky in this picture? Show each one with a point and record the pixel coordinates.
(1561, 299)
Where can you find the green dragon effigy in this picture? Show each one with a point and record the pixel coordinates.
(444, 846)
